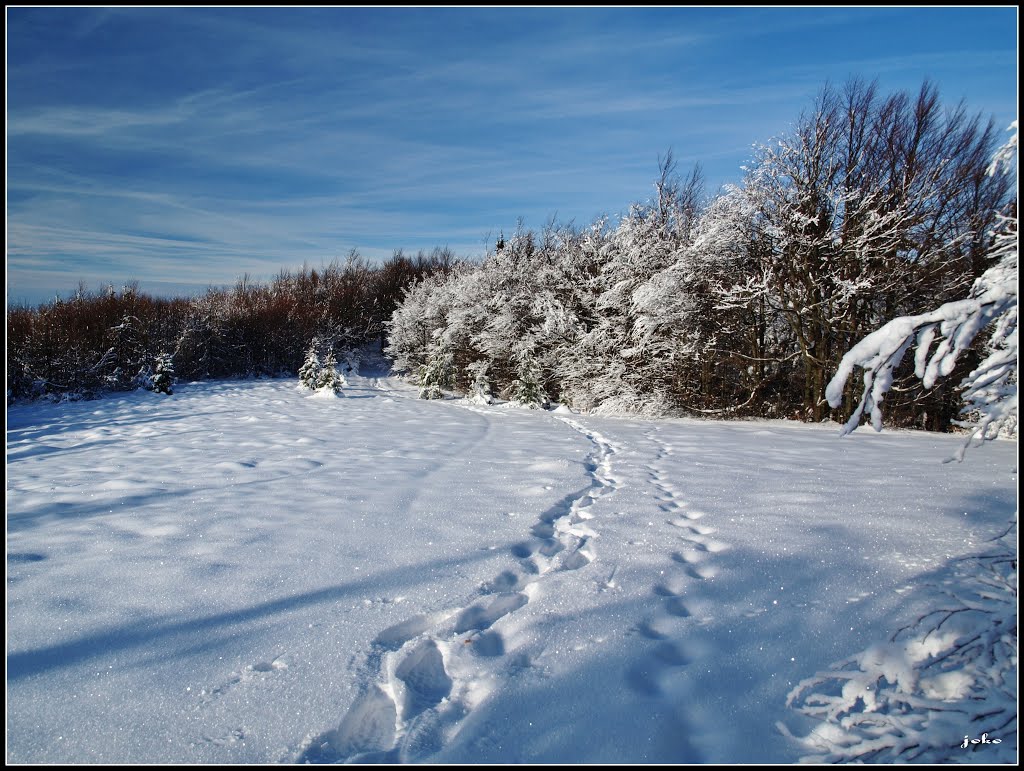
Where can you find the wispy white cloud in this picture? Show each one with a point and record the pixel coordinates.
(85, 122)
(216, 141)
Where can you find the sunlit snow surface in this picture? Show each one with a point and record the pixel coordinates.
(244, 573)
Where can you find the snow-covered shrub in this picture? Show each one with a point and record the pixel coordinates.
(634, 404)
(990, 390)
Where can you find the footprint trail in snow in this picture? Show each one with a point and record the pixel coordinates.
(423, 676)
(658, 668)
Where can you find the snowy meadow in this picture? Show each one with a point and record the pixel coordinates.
(245, 572)
(428, 483)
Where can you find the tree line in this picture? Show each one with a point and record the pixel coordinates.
(741, 303)
(115, 340)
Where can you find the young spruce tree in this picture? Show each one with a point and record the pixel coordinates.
(437, 373)
(527, 389)
(163, 374)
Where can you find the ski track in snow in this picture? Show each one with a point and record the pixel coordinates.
(423, 675)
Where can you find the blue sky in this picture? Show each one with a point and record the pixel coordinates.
(186, 147)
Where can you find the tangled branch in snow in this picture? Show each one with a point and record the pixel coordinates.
(949, 676)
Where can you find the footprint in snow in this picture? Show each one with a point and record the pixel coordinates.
(702, 529)
(580, 516)
(647, 675)
(251, 672)
(688, 556)
(671, 653)
(523, 550)
(426, 681)
(550, 547)
(267, 666)
(672, 587)
(233, 736)
(506, 581)
(489, 644)
(543, 530)
(582, 556)
(482, 615)
(701, 571)
(674, 606)
(394, 637)
(652, 630)
(367, 731)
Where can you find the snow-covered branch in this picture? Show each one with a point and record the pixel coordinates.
(990, 390)
(913, 698)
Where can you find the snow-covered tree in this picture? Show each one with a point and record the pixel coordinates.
(330, 378)
(990, 390)
(309, 373)
(423, 311)
(319, 371)
(629, 343)
(585, 343)
(527, 390)
(873, 207)
(948, 679)
(866, 211)
(695, 316)
(206, 346)
(123, 365)
(480, 390)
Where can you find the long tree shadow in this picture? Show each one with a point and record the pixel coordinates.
(28, 663)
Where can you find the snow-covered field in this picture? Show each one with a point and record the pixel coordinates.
(243, 572)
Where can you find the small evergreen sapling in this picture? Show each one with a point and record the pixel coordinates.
(330, 378)
(527, 389)
(437, 373)
(319, 372)
(309, 372)
(163, 374)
